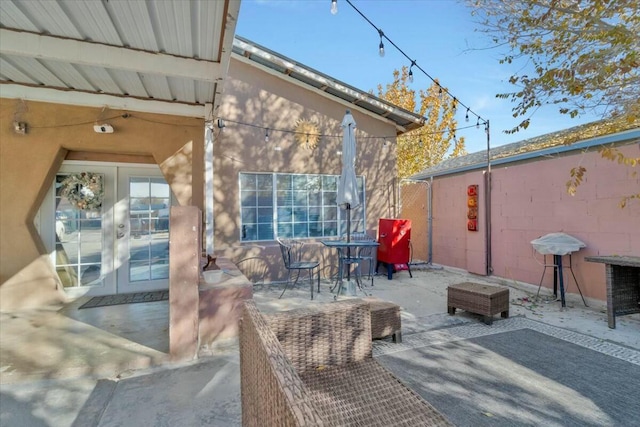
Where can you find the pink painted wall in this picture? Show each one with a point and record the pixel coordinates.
(452, 244)
(529, 199)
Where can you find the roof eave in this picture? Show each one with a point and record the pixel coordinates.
(403, 120)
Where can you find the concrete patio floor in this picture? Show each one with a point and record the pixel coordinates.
(108, 366)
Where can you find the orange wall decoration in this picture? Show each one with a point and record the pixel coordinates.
(472, 208)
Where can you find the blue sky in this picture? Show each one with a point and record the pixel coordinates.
(438, 34)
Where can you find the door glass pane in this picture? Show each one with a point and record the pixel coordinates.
(78, 234)
(149, 204)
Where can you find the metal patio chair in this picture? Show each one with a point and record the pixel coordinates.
(358, 257)
(254, 269)
(291, 251)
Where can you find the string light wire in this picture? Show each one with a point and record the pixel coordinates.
(413, 63)
(270, 130)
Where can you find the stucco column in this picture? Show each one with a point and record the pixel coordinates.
(184, 275)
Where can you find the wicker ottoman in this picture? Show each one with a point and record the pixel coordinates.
(385, 319)
(480, 299)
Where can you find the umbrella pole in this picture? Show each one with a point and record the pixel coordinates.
(348, 241)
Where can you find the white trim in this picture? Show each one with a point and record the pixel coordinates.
(101, 55)
(208, 190)
(84, 99)
(228, 36)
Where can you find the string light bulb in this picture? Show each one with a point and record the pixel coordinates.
(466, 117)
(221, 124)
(334, 7)
(411, 72)
(266, 135)
(410, 75)
(455, 105)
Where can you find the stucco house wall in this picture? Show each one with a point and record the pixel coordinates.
(528, 200)
(28, 164)
(255, 99)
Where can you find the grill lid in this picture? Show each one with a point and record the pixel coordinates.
(557, 244)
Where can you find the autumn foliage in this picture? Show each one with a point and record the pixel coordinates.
(579, 55)
(431, 143)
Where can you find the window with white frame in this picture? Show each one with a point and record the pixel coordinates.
(294, 205)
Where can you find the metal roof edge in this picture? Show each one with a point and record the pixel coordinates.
(615, 138)
(362, 97)
(348, 105)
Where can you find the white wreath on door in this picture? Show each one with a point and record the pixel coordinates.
(83, 190)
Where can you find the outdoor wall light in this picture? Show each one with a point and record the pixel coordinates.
(334, 7)
(20, 127)
(104, 128)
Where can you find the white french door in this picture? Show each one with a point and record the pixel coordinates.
(123, 246)
(142, 230)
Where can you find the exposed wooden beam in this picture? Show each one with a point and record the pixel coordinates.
(88, 99)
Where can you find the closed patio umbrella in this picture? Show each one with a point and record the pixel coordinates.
(348, 187)
(348, 197)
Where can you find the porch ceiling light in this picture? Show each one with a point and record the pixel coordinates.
(104, 128)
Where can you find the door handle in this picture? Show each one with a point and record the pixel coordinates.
(120, 235)
(120, 225)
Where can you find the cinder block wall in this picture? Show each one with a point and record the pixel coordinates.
(528, 200)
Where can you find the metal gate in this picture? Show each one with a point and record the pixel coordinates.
(414, 200)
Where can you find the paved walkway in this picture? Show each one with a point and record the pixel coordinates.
(107, 366)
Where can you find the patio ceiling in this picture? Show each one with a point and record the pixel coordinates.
(159, 56)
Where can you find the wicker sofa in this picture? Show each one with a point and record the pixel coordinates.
(314, 367)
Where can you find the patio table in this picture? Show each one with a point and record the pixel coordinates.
(623, 285)
(341, 245)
